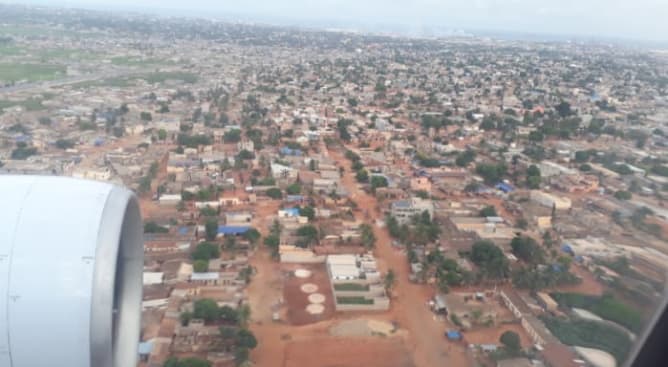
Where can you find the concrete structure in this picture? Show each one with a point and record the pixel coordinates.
(404, 210)
(546, 301)
(356, 283)
(550, 200)
(420, 184)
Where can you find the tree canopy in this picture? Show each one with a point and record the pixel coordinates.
(527, 249)
(490, 260)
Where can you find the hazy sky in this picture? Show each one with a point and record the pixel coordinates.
(641, 19)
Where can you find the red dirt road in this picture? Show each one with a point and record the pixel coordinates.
(409, 301)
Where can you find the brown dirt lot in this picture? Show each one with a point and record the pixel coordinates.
(589, 284)
(347, 352)
(297, 300)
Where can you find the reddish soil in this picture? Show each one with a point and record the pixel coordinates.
(347, 352)
(297, 300)
(589, 284)
(408, 308)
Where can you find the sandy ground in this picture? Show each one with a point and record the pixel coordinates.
(362, 327)
(348, 352)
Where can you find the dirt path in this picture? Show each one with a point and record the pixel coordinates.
(409, 302)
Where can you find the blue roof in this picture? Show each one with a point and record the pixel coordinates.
(226, 230)
(454, 334)
(504, 187)
(294, 212)
(183, 230)
(289, 151)
(145, 348)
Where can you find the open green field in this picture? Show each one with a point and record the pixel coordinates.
(161, 77)
(31, 104)
(135, 61)
(30, 72)
(10, 50)
(120, 82)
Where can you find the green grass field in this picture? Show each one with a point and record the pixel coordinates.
(135, 61)
(30, 72)
(32, 104)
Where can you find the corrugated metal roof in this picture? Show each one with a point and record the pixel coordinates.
(232, 230)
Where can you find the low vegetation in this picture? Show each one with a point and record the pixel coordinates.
(590, 334)
(606, 307)
(354, 301)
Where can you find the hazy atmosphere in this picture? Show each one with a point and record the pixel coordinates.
(638, 19)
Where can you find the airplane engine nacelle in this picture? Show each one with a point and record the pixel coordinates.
(71, 260)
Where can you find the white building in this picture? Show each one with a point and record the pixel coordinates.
(404, 210)
(550, 201)
(343, 267)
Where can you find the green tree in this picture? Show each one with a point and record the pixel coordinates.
(511, 341)
(185, 317)
(274, 193)
(488, 211)
(201, 266)
(153, 227)
(309, 233)
(211, 229)
(623, 195)
(491, 173)
(206, 309)
(390, 280)
(367, 235)
(244, 315)
(232, 136)
(308, 212)
(378, 181)
(465, 158)
(362, 176)
(252, 236)
(246, 339)
(64, 144)
(241, 356)
(228, 314)
(162, 134)
(208, 212)
(490, 259)
(206, 251)
(527, 249)
(187, 362)
(294, 189)
(533, 177)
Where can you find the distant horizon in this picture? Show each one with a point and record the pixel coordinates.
(364, 23)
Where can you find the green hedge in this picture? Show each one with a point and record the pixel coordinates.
(354, 301)
(351, 287)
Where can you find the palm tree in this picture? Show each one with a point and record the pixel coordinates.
(244, 314)
(390, 280)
